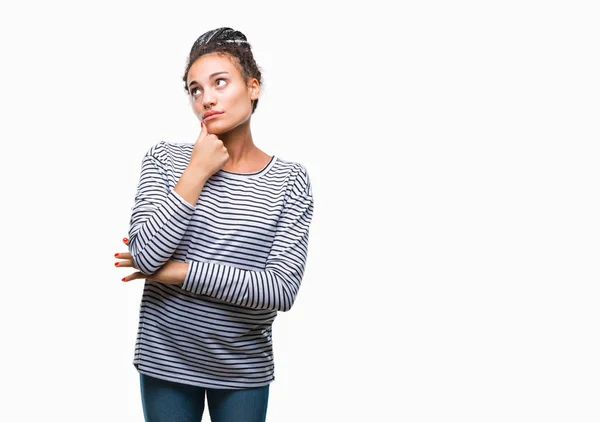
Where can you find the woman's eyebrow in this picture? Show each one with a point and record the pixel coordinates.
(212, 75)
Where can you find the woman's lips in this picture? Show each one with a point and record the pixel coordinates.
(212, 116)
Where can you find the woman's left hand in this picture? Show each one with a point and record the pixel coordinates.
(172, 272)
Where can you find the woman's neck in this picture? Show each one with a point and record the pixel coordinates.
(244, 156)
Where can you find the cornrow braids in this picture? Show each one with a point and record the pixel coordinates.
(226, 41)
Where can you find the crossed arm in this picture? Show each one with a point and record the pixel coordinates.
(159, 220)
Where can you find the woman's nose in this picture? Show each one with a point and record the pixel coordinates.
(208, 100)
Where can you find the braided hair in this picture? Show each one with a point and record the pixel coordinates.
(226, 41)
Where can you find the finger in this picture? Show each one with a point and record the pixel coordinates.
(134, 276)
(204, 130)
(126, 241)
(125, 263)
(123, 255)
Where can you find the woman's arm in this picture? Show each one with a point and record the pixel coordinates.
(277, 285)
(160, 214)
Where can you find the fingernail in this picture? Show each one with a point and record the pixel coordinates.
(123, 279)
(116, 264)
(116, 255)
(125, 239)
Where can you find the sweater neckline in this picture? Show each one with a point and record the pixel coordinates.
(244, 176)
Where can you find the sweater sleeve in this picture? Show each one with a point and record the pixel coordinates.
(159, 217)
(277, 285)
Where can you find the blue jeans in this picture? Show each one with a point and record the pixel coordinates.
(166, 401)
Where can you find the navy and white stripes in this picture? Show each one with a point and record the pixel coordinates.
(246, 240)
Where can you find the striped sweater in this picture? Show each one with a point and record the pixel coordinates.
(246, 242)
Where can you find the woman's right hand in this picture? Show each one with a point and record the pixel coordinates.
(209, 153)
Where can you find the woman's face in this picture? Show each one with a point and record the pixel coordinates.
(216, 84)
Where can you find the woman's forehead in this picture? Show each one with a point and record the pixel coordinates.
(204, 66)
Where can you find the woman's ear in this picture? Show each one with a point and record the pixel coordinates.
(254, 89)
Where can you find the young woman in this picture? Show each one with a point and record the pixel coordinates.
(219, 231)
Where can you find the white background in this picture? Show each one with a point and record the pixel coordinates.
(453, 151)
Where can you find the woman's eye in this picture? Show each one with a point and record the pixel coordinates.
(195, 90)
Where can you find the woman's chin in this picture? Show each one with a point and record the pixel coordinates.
(221, 127)
(216, 128)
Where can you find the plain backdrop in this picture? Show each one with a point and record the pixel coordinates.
(453, 151)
